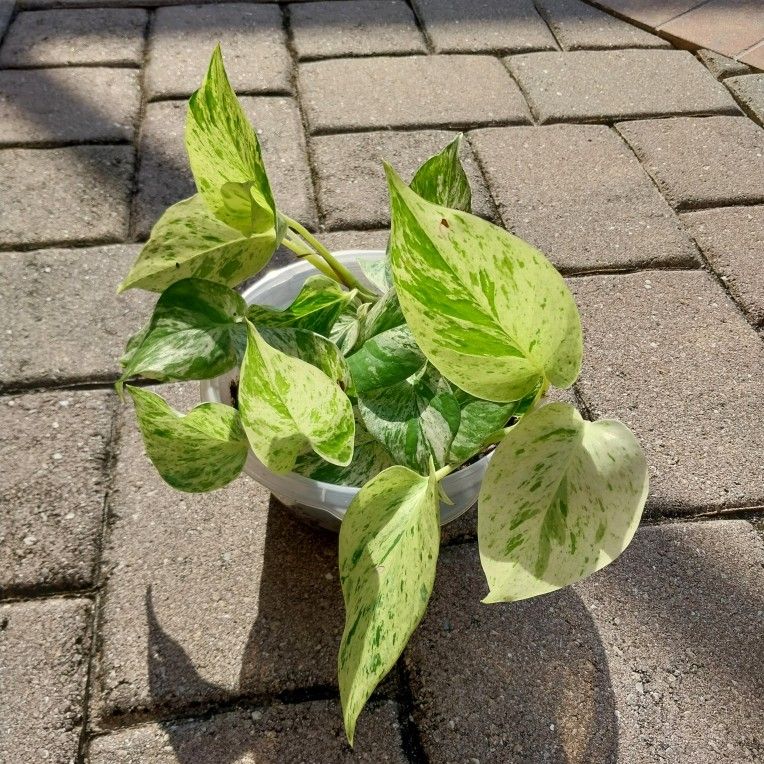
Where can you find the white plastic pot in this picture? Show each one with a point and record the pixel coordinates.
(320, 503)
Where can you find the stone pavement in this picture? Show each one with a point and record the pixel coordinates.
(143, 626)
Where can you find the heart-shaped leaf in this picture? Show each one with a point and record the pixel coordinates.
(225, 156)
(416, 419)
(442, 180)
(487, 309)
(201, 451)
(388, 551)
(316, 307)
(196, 332)
(561, 499)
(189, 242)
(288, 406)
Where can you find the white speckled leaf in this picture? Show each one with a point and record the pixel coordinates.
(378, 273)
(189, 242)
(416, 419)
(316, 307)
(442, 180)
(196, 332)
(388, 552)
(487, 309)
(225, 156)
(561, 499)
(201, 451)
(288, 406)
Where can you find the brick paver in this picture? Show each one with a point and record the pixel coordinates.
(354, 28)
(86, 194)
(43, 662)
(607, 85)
(651, 13)
(457, 26)
(251, 36)
(580, 26)
(94, 36)
(351, 180)
(55, 298)
(421, 91)
(305, 732)
(76, 104)
(580, 195)
(54, 449)
(733, 241)
(722, 66)
(669, 354)
(164, 176)
(706, 161)
(338, 240)
(749, 90)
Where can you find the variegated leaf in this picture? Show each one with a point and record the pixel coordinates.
(225, 156)
(346, 332)
(288, 406)
(561, 499)
(416, 419)
(316, 307)
(196, 332)
(201, 451)
(378, 273)
(385, 359)
(388, 552)
(442, 180)
(370, 457)
(189, 242)
(486, 308)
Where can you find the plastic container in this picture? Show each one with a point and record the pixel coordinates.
(318, 503)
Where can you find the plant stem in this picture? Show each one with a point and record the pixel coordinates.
(347, 278)
(306, 254)
(447, 470)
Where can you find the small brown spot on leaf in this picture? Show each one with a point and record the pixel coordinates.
(444, 222)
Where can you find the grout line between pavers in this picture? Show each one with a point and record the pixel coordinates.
(543, 16)
(421, 26)
(51, 145)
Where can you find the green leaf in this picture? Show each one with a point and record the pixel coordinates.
(442, 180)
(480, 418)
(385, 359)
(346, 331)
(225, 156)
(316, 307)
(378, 273)
(370, 457)
(189, 242)
(487, 309)
(194, 333)
(416, 419)
(561, 499)
(288, 406)
(389, 542)
(201, 451)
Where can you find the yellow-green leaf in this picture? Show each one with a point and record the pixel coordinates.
(388, 551)
(561, 498)
(442, 180)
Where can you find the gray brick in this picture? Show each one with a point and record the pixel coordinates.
(721, 66)
(97, 36)
(54, 447)
(474, 26)
(579, 26)
(6, 11)
(578, 193)
(701, 161)
(42, 106)
(354, 28)
(622, 84)
(164, 176)
(225, 592)
(339, 240)
(305, 732)
(521, 682)
(75, 194)
(43, 658)
(733, 239)
(351, 179)
(669, 354)
(749, 90)
(251, 36)
(63, 321)
(679, 616)
(421, 91)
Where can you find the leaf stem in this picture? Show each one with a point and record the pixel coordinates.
(346, 277)
(447, 470)
(303, 252)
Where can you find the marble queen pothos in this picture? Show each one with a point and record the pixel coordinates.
(387, 388)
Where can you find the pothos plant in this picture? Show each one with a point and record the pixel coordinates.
(446, 350)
